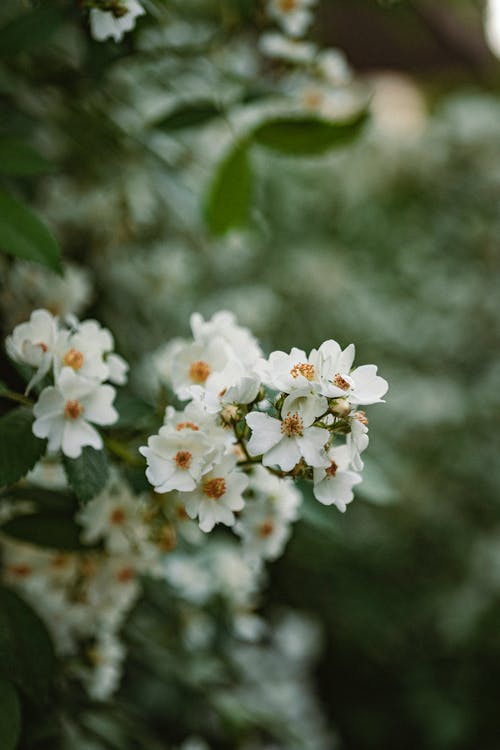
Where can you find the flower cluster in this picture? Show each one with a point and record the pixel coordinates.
(73, 361)
(286, 413)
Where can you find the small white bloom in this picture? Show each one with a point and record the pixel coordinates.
(293, 16)
(195, 418)
(64, 413)
(235, 384)
(357, 440)
(81, 353)
(223, 325)
(104, 24)
(192, 363)
(361, 385)
(265, 522)
(281, 47)
(333, 484)
(177, 458)
(333, 66)
(283, 442)
(118, 369)
(217, 495)
(116, 516)
(33, 343)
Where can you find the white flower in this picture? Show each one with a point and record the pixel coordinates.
(64, 412)
(33, 343)
(357, 440)
(194, 417)
(217, 495)
(118, 369)
(177, 458)
(294, 16)
(81, 353)
(283, 442)
(333, 66)
(235, 384)
(282, 48)
(115, 515)
(333, 484)
(192, 364)
(104, 24)
(264, 523)
(223, 325)
(361, 386)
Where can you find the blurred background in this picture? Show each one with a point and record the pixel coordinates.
(392, 242)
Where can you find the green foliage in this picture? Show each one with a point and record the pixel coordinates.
(19, 448)
(23, 234)
(229, 199)
(189, 115)
(19, 158)
(10, 715)
(88, 474)
(307, 136)
(26, 651)
(54, 531)
(29, 31)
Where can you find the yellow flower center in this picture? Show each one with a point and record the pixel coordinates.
(292, 426)
(73, 358)
(187, 426)
(332, 469)
(214, 488)
(73, 409)
(305, 369)
(183, 459)
(266, 529)
(341, 382)
(199, 371)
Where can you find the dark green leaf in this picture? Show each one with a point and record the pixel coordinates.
(10, 715)
(23, 234)
(19, 158)
(29, 30)
(26, 651)
(302, 136)
(19, 448)
(43, 499)
(50, 530)
(133, 411)
(189, 115)
(88, 474)
(230, 195)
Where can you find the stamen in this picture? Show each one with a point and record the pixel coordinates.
(199, 371)
(266, 529)
(292, 426)
(73, 409)
(125, 575)
(215, 488)
(117, 517)
(332, 469)
(183, 459)
(73, 358)
(305, 369)
(187, 426)
(361, 417)
(341, 382)
(287, 6)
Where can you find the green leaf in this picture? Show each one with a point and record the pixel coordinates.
(22, 234)
(87, 475)
(52, 531)
(230, 194)
(189, 115)
(133, 411)
(19, 158)
(43, 500)
(26, 651)
(19, 448)
(303, 136)
(29, 30)
(10, 716)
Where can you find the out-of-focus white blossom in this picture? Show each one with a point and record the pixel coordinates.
(109, 24)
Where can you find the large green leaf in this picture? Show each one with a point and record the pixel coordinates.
(189, 115)
(49, 530)
(19, 158)
(19, 448)
(29, 30)
(230, 195)
(43, 500)
(26, 651)
(88, 474)
(309, 135)
(22, 234)
(10, 715)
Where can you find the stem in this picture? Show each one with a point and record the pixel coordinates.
(17, 397)
(121, 451)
